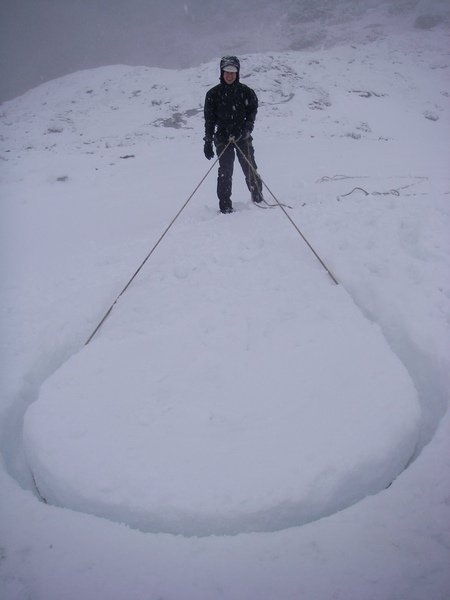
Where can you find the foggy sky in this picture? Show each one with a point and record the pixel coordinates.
(44, 39)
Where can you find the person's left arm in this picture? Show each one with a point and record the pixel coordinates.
(251, 108)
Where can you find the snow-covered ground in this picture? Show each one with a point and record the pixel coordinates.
(231, 430)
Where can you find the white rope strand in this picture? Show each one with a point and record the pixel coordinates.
(108, 312)
(287, 215)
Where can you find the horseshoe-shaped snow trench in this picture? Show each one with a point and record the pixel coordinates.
(225, 420)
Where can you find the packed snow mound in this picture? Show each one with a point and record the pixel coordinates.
(250, 387)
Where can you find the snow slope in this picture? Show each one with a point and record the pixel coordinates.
(355, 139)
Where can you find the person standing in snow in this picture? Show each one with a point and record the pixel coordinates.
(230, 110)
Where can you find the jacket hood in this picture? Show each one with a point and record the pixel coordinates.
(229, 61)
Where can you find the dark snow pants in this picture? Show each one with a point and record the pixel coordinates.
(226, 164)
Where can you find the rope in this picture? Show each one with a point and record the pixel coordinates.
(256, 176)
(108, 312)
(287, 215)
(278, 203)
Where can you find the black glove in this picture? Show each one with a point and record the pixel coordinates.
(208, 149)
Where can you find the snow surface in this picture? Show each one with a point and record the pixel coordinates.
(356, 140)
(254, 379)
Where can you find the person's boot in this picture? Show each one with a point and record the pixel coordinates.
(257, 197)
(226, 207)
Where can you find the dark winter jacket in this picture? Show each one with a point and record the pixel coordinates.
(230, 109)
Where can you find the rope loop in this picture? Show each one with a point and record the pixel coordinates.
(283, 207)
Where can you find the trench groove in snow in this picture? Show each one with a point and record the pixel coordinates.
(423, 373)
(421, 368)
